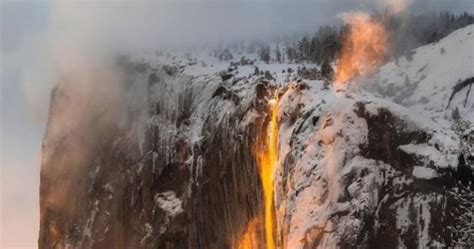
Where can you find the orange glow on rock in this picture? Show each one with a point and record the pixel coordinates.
(364, 47)
(249, 240)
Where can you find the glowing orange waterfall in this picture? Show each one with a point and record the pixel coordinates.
(267, 154)
(266, 151)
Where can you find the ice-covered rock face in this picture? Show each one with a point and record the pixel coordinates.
(383, 163)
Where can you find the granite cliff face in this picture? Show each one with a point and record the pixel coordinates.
(189, 180)
(166, 159)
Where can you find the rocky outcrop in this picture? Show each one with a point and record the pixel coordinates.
(363, 174)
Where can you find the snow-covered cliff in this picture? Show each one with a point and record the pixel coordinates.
(385, 163)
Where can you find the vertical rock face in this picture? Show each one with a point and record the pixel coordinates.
(181, 175)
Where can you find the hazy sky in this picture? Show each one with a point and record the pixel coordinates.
(32, 31)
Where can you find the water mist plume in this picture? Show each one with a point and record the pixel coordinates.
(364, 47)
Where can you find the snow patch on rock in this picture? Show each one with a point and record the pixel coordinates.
(169, 203)
(423, 172)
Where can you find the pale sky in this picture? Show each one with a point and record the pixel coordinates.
(30, 30)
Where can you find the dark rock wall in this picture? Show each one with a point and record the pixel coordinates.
(106, 195)
(445, 199)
